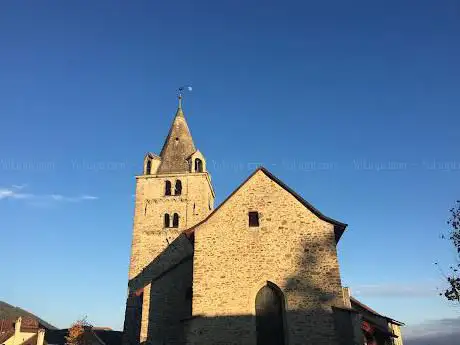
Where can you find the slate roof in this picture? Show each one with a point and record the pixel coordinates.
(102, 335)
(109, 337)
(56, 336)
(372, 311)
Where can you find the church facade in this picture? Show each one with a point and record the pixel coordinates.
(261, 268)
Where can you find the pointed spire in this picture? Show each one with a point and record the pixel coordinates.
(179, 108)
(178, 145)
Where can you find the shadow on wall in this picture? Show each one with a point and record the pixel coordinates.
(308, 309)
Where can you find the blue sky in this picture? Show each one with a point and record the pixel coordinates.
(354, 104)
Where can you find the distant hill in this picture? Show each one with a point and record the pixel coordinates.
(7, 311)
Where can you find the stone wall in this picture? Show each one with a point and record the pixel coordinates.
(152, 250)
(348, 326)
(396, 329)
(170, 273)
(170, 305)
(291, 248)
(150, 237)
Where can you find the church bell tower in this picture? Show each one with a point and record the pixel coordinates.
(173, 193)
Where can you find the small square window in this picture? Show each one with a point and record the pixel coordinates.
(253, 219)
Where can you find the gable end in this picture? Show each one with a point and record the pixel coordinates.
(339, 227)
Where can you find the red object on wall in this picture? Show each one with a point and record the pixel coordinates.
(367, 327)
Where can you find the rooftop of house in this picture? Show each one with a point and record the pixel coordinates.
(355, 303)
(102, 335)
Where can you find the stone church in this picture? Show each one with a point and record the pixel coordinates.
(261, 268)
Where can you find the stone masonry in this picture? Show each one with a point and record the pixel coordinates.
(150, 235)
(292, 248)
(198, 279)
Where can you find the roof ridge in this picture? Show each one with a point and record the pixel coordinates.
(372, 311)
(339, 226)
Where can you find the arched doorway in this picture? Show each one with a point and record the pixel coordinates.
(269, 315)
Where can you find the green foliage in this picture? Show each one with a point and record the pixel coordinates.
(452, 292)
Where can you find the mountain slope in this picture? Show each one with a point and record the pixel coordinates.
(7, 311)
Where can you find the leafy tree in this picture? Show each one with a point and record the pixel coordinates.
(452, 292)
(78, 333)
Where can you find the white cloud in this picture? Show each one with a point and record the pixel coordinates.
(4, 193)
(59, 197)
(14, 193)
(89, 197)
